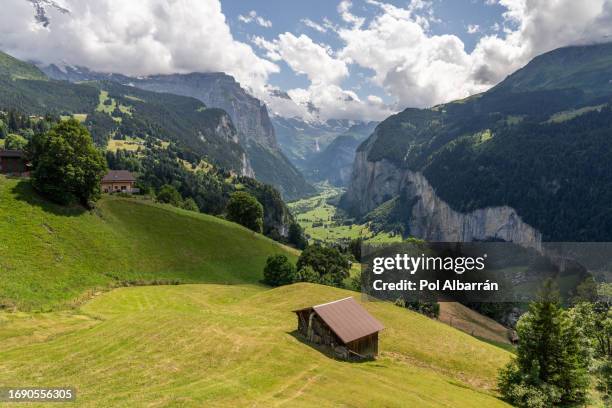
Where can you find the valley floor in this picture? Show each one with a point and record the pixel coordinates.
(321, 221)
(219, 345)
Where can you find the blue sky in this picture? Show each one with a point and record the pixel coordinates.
(452, 17)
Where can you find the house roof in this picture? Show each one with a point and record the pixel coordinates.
(347, 319)
(114, 176)
(11, 153)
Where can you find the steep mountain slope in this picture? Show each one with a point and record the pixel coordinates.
(110, 109)
(220, 345)
(335, 162)
(525, 161)
(52, 255)
(301, 140)
(16, 69)
(218, 90)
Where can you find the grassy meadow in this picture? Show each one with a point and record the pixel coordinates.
(52, 256)
(219, 339)
(234, 345)
(318, 219)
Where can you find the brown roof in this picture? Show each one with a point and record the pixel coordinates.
(11, 153)
(348, 319)
(118, 176)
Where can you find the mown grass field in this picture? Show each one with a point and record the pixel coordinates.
(220, 339)
(129, 144)
(223, 345)
(52, 257)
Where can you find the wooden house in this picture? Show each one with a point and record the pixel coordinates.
(343, 326)
(119, 181)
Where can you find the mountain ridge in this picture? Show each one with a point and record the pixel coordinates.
(504, 148)
(217, 90)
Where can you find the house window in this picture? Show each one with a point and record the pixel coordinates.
(123, 188)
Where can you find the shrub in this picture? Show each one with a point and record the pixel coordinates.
(245, 210)
(307, 274)
(190, 205)
(279, 271)
(331, 266)
(169, 195)
(15, 142)
(66, 165)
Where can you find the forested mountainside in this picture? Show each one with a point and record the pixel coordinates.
(174, 139)
(111, 111)
(529, 156)
(218, 90)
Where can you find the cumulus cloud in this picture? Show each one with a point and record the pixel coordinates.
(421, 69)
(133, 37)
(334, 102)
(325, 73)
(411, 65)
(304, 56)
(253, 17)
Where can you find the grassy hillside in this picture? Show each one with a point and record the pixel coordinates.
(50, 256)
(16, 69)
(217, 345)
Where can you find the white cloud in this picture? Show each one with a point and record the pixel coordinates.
(304, 56)
(413, 66)
(421, 69)
(253, 17)
(344, 8)
(335, 102)
(473, 28)
(325, 73)
(133, 37)
(315, 26)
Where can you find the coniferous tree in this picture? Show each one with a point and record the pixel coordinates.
(550, 368)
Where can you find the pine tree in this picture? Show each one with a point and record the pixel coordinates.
(550, 368)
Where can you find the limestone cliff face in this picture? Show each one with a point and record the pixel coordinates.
(264, 160)
(219, 90)
(431, 218)
(226, 130)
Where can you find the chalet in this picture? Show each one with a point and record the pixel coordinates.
(119, 181)
(344, 326)
(13, 162)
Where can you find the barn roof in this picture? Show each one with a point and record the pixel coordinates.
(118, 176)
(347, 319)
(11, 153)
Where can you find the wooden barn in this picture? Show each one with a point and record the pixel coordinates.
(344, 326)
(13, 162)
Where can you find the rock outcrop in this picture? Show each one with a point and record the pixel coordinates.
(430, 218)
(219, 90)
(255, 133)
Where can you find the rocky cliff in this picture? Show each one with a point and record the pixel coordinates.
(429, 217)
(263, 160)
(219, 90)
(249, 115)
(536, 145)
